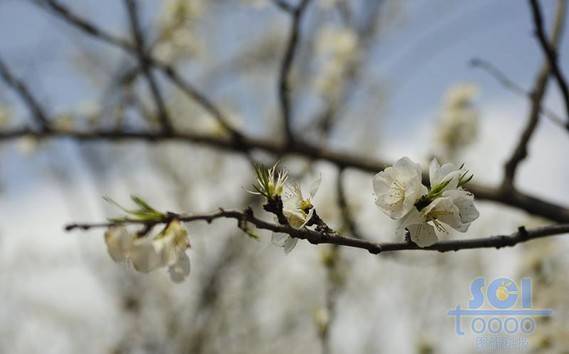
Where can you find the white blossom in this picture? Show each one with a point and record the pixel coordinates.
(425, 212)
(398, 188)
(298, 210)
(118, 241)
(447, 173)
(454, 208)
(338, 49)
(458, 123)
(146, 254)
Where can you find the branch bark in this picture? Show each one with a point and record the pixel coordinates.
(286, 68)
(314, 237)
(550, 51)
(38, 113)
(537, 94)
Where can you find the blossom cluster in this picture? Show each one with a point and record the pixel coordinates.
(145, 254)
(297, 208)
(424, 211)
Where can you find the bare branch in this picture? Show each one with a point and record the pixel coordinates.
(314, 237)
(512, 198)
(38, 114)
(286, 68)
(514, 87)
(537, 95)
(550, 51)
(169, 71)
(344, 207)
(144, 63)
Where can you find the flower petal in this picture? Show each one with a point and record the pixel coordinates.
(181, 269)
(144, 257)
(118, 241)
(314, 186)
(423, 235)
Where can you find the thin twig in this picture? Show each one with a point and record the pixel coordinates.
(284, 86)
(550, 51)
(514, 87)
(344, 207)
(81, 23)
(537, 95)
(314, 237)
(38, 113)
(144, 63)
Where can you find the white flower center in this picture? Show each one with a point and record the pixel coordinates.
(396, 195)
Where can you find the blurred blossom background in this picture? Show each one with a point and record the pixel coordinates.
(379, 79)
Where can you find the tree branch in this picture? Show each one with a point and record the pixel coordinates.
(537, 95)
(82, 24)
(550, 51)
(512, 86)
(286, 67)
(314, 237)
(512, 198)
(38, 114)
(144, 63)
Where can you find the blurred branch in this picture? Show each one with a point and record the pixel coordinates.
(537, 94)
(314, 237)
(286, 67)
(334, 285)
(512, 198)
(344, 207)
(142, 58)
(550, 50)
(512, 86)
(22, 90)
(65, 14)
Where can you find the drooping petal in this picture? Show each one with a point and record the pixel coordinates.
(422, 234)
(144, 257)
(171, 242)
(285, 241)
(118, 241)
(290, 244)
(181, 269)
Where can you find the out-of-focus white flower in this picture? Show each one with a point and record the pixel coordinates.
(398, 188)
(328, 4)
(177, 25)
(458, 123)
(119, 241)
(298, 210)
(4, 115)
(259, 4)
(167, 249)
(339, 50)
(171, 245)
